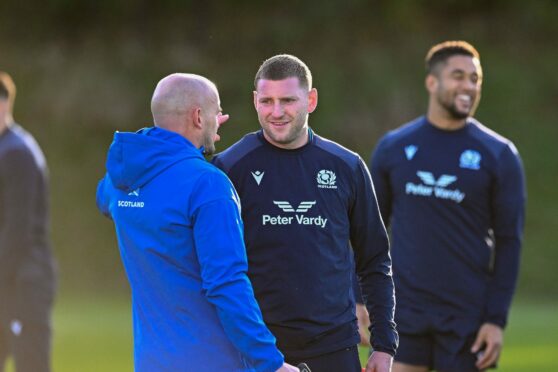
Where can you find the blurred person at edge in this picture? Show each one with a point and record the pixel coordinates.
(27, 268)
(177, 220)
(453, 192)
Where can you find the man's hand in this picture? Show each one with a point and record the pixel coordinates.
(363, 323)
(491, 337)
(286, 367)
(379, 362)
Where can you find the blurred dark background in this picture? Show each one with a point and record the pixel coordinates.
(87, 68)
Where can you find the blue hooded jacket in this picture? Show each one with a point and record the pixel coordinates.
(180, 235)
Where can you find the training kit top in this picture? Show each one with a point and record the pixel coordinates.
(455, 200)
(27, 278)
(179, 230)
(302, 211)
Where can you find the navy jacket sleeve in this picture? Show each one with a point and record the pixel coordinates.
(218, 235)
(373, 262)
(380, 176)
(19, 177)
(508, 206)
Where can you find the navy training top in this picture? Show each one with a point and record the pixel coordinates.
(455, 202)
(303, 209)
(27, 267)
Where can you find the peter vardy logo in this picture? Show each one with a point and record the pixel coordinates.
(432, 187)
(410, 151)
(258, 175)
(470, 159)
(326, 179)
(443, 181)
(299, 217)
(302, 207)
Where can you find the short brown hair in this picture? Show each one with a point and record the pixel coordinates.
(7, 88)
(440, 53)
(284, 66)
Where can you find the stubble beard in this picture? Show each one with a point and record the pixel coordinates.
(208, 145)
(294, 132)
(453, 112)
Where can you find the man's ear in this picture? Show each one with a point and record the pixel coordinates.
(196, 117)
(431, 83)
(255, 100)
(312, 100)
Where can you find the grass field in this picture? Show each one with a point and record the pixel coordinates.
(94, 334)
(530, 341)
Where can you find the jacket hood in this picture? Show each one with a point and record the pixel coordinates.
(134, 159)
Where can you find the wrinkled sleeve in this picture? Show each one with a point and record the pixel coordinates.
(218, 235)
(508, 211)
(373, 262)
(19, 179)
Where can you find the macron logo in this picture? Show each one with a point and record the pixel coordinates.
(410, 151)
(258, 175)
(131, 204)
(135, 192)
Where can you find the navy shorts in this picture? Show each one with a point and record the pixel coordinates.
(345, 360)
(438, 341)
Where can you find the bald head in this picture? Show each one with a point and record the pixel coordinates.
(189, 105)
(177, 95)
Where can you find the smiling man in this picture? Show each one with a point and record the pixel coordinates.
(454, 193)
(309, 207)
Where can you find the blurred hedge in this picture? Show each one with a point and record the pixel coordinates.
(87, 68)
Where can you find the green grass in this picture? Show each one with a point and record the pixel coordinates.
(94, 334)
(530, 340)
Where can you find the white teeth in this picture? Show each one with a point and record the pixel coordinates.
(464, 97)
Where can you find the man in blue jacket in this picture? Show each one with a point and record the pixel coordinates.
(27, 268)
(309, 208)
(454, 193)
(180, 234)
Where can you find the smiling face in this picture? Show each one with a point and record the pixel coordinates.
(283, 107)
(455, 88)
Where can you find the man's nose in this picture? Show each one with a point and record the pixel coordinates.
(277, 109)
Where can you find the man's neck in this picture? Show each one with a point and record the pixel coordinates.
(445, 122)
(3, 126)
